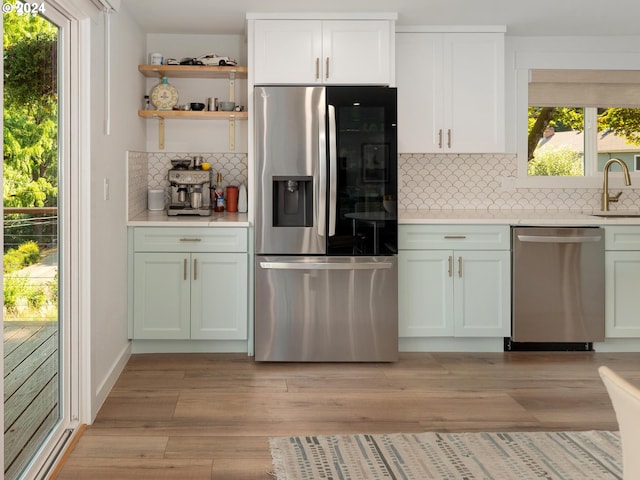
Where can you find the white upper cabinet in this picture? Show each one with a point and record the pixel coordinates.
(450, 92)
(308, 52)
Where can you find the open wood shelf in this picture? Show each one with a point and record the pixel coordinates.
(192, 71)
(203, 115)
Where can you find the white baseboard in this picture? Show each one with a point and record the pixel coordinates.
(107, 384)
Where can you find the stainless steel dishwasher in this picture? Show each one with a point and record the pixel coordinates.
(558, 285)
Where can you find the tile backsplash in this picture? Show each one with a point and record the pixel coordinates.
(426, 182)
(474, 182)
(147, 170)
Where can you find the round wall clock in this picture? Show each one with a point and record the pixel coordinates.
(164, 95)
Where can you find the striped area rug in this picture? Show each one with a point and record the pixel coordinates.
(591, 455)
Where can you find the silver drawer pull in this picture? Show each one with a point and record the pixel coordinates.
(455, 237)
(190, 239)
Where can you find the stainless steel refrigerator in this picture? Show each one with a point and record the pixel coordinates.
(326, 274)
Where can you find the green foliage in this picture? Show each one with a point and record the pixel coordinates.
(26, 254)
(30, 111)
(30, 68)
(20, 191)
(563, 118)
(20, 295)
(624, 122)
(556, 162)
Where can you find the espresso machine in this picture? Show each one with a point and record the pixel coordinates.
(189, 192)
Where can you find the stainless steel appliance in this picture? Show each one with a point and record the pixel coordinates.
(326, 227)
(189, 192)
(558, 285)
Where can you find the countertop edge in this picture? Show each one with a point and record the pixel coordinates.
(469, 217)
(161, 219)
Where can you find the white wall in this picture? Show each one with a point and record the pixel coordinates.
(110, 347)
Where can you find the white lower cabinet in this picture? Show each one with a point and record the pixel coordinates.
(190, 294)
(454, 281)
(622, 277)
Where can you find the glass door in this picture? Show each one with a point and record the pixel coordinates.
(363, 124)
(36, 46)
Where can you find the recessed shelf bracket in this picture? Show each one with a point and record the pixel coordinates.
(232, 132)
(161, 133)
(232, 87)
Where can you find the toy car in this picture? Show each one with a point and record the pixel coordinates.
(215, 59)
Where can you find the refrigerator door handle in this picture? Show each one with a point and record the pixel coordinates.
(321, 184)
(333, 170)
(325, 266)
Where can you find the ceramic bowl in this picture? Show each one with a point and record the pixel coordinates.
(197, 107)
(227, 106)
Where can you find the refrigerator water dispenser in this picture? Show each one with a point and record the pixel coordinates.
(293, 201)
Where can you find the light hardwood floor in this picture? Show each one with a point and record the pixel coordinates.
(209, 416)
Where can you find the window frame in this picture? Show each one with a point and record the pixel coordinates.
(527, 61)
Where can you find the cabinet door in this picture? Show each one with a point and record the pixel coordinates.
(356, 52)
(425, 294)
(287, 52)
(419, 81)
(622, 302)
(473, 92)
(161, 299)
(482, 293)
(219, 296)
(450, 92)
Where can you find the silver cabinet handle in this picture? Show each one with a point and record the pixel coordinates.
(440, 138)
(317, 68)
(449, 138)
(190, 239)
(327, 69)
(184, 267)
(455, 237)
(459, 267)
(450, 266)
(195, 269)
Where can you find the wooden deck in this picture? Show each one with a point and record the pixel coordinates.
(31, 390)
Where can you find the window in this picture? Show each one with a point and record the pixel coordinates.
(579, 119)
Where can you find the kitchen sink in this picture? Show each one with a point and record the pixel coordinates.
(618, 214)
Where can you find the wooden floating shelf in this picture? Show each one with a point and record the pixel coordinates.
(193, 114)
(192, 71)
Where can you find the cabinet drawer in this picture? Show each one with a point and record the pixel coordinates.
(211, 239)
(457, 237)
(621, 237)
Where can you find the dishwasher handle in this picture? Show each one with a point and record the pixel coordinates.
(325, 266)
(557, 239)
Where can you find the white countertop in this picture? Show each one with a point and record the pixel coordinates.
(161, 219)
(511, 217)
(415, 217)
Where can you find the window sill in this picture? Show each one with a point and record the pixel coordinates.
(616, 182)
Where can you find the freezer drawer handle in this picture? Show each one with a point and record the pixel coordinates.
(552, 239)
(190, 239)
(325, 266)
(455, 237)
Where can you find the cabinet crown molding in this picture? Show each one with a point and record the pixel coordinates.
(322, 16)
(451, 28)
